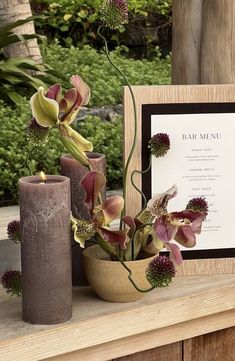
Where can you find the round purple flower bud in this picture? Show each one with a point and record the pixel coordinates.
(13, 231)
(12, 281)
(36, 133)
(198, 204)
(160, 271)
(114, 13)
(159, 144)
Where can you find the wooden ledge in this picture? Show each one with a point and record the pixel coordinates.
(191, 306)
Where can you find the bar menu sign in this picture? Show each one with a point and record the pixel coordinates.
(200, 162)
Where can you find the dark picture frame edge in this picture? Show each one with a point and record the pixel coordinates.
(180, 108)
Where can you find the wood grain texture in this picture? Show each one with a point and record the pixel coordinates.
(216, 346)
(186, 41)
(96, 322)
(163, 353)
(152, 339)
(217, 45)
(169, 94)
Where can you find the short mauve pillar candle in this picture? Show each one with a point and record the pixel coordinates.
(75, 171)
(45, 249)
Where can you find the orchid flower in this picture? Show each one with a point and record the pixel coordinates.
(141, 226)
(180, 226)
(158, 204)
(101, 215)
(50, 109)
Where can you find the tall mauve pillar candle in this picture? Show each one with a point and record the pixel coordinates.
(75, 171)
(45, 249)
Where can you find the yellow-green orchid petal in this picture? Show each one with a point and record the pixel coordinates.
(71, 117)
(83, 230)
(83, 144)
(74, 151)
(44, 110)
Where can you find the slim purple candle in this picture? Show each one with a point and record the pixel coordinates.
(46, 249)
(75, 171)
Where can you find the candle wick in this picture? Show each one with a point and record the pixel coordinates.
(45, 181)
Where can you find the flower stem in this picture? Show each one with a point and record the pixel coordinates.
(131, 280)
(27, 159)
(125, 171)
(107, 247)
(134, 185)
(110, 250)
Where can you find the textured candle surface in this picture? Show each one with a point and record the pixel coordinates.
(46, 249)
(75, 171)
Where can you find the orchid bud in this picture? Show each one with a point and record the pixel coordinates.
(37, 134)
(13, 231)
(159, 144)
(198, 204)
(160, 272)
(12, 282)
(114, 13)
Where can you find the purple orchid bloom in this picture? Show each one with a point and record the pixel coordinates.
(180, 226)
(101, 215)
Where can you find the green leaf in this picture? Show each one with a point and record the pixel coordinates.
(67, 17)
(15, 97)
(64, 28)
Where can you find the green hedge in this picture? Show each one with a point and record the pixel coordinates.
(106, 137)
(99, 74)
(77, 21)
(14, 148)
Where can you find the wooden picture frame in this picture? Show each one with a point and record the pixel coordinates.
(171, 94)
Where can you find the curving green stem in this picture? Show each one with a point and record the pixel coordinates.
(125, 171)
(135, 186)
(27, 159)
(130, 278)
(110, 250)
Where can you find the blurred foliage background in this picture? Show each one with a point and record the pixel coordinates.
(141, 50)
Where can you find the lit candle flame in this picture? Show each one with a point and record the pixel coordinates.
(43, 176)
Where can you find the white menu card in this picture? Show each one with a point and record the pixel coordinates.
(201, 162)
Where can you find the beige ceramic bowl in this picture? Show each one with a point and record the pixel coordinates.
(109, 279)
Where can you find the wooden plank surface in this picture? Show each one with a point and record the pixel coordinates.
(96, 322)
(216, 346)
(163, 353)
(165, 94)
(151, 339)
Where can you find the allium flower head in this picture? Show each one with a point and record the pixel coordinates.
(36, 133)
(159, 144)
(12, 282)
(160, 271)
(114, 13)
(198, 204)
(13, 231)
